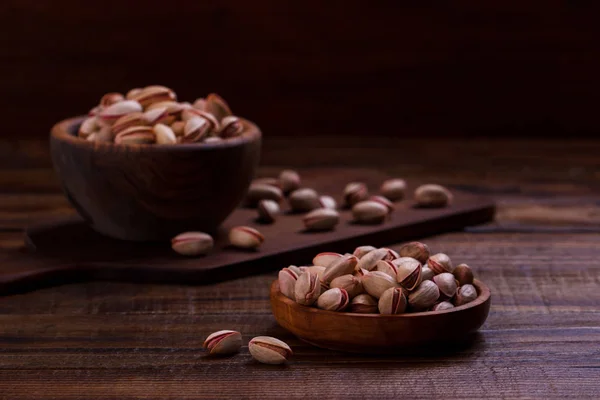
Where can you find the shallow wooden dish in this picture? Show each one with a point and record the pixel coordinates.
(153, 192)
(374, 333)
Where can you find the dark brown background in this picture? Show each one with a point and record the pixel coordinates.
(510, 68)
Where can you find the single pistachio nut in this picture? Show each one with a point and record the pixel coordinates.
(289, 180)
(223, 342)
(136, 135)
(158, 115)
(327, 202)
(393, 189)
(192, 243)
(369, 260)
(387, 267)
(269, 350)
(261, 191)
(307, 288)
(200, 104)
(245, 237)
(416, 250)
(164, 134)
(426, 273)
(217, 106)
(127, 121)
(110, 114)
(287, 281)
(424, 296)
(364, 304)
(440, 263)
(111, 98)
(349, 283)
(268, 210)
(321, 219)
(383, 201)
(174, 110)
(178, 128)
(409, 274)
(303, 200)
(465, 294)
(355, 192)
(432, 196)
(326, 259)
(392, 301)
(231, 126)
(342, 266)
(188, 113)
(377, 282)
(154, 94)
(296, 269)
(196, 129)
(133, 92)
(463, 274)
(335, 299)
(212, 139)
(360, 251)
(447, 285)
(87, 127)
(369, 212)
(442, 305)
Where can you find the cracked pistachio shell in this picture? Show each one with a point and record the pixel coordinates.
(349, 283)
(417, 250)
(463, 274)
(307, 288)
(196, 129)
(110, 114)
(156, 116)
(223, 342)
(377, 282)
(364, 304)
(268, 210)
(447, 285)
(335, 299)
(192, 243)
(154, 94)
(360, 251)
(369, 212)
(342, 266)
(231, 126)
(360, 272)
(289, 180)
(164, 134)
(328, 202)
(287, 282)
(127, 121)
(424, 296)
(217, 106)
(355, 192)
(262, 191)
(325, 259)
(383, 201)
(321, 219)
(111, 98)
(440, 263)
(465, 294)
(388, 267)
(303, 200)
(393, 189)
(136, 135)
(392, 301)
(369, 260)
(432, 196)
(317, 269)
(409, 274)
(245, 237)
(269, 350)
(296, 269)
(443, 305)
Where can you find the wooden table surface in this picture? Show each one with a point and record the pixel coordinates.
(540, 258)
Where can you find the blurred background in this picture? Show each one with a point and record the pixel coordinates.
(311, 68)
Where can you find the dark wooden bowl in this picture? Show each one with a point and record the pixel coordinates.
(374, 333)
(153, 192)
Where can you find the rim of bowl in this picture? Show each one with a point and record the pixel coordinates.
(63, 131)
(483, 291)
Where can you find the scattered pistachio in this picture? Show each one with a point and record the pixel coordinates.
(393, 189)
(245, 237)
(431, 196)
(192, 243)
(223, 342)
(268, 210)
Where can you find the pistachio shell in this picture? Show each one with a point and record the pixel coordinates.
(321, 219)
(392, 301)
(217, 106)
(192, 243)
(110, 114)
(387, 267)
(289, 180)
(360, 251)
(349, 283)
(369, 212)
(196, 129)
(465, 294)
(342, 266)
(261, 191)
(156, 116)
(111, 98)
(223, 342)
(303, 200)
(327, 202)
(409, 272)
(393, 189)
(326, 259)
(133, 92)
(432, 195)
(417, 250)
(245, 237)
(307, 289)
(335, 299)
(377, 282)
(269, 350)
(443, 305)
(364, 304)
(383, 201)
(104, 135)
(268, 210)
(178, 128)
(88, 126)
(296, 269)
(355, 192)
(200, 104)
(287, 282)
(463, 274)
(424, 296)
(164, 134)
(369, 260)
(426, 273)
(127, 121)
(447, 285)
(440, 263)
(154, 94)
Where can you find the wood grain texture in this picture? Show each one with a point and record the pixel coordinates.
(442, 69)
(101, 340)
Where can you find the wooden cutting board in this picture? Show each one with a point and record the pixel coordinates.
(67, 250)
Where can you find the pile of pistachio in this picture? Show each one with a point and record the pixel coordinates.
(380, 280)
(152, 115)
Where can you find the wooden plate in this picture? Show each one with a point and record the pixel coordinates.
(374, 333)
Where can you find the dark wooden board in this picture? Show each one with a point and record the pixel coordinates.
(70, 250)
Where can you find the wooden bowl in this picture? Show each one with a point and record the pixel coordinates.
(153, 192)
(374, 333)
